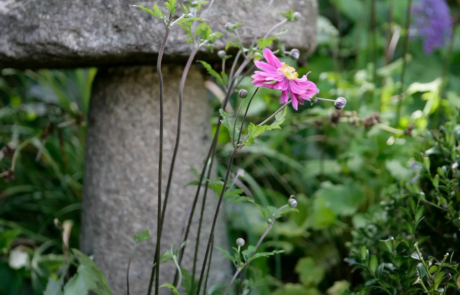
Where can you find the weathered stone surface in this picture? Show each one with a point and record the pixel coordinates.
(78, 33)
(121, 166)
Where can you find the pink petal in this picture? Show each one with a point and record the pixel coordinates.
(265, 66)
(294, 103)
(272, 59)
(284, 97)
(283, 85)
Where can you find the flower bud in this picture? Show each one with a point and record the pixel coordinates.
(292, 203)
(295, 53)
(297, 15)
(243, 93)
(340, 103)
(269, 220)
(240, 242)
(221, 53)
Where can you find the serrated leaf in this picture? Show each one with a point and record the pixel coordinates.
(166, 256)
(156, 12)
(262, 43)
(170, 286)
(373, 264)
(171, 6)
(88, 276)
(231, 44)
(229, 124)
(212, 72)
(253, 132)
(264, 254)
(248, 252)
(142, 236)
(280, 118)
(227, 254)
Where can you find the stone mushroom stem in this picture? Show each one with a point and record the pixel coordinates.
(118, 196)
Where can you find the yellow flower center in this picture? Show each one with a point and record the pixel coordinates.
(289, 72)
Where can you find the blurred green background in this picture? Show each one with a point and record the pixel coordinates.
(340, 165)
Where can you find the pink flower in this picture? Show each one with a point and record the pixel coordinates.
(280, 76)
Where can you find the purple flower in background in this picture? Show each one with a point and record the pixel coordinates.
(432, 23)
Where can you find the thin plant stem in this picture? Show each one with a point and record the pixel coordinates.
(274, 27)
(127, 269)
(156, 265)
(403, 74)
(198, 235)
(179, 270)
(211, 151)
(237, 272)
(230, 163)
(234, 124)
(209, 268)
(275, 113)
(270, 226)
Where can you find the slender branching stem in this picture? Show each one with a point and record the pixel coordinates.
(234, 124)
(237, 272)
(198, 235)
(178, 270)
(129, 265)
(221, 197)
(274, 27)
(270, 226)
(211, 152)
(209, 268)
(275, 113)
(156, 265)
(403, 74)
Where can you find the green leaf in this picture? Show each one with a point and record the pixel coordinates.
(421, 270)
(166, 256)
(253, 132)
(170, 286)
(142, 236)
(310, 273)
(288, 15)
(248, 252)
(231, 44)
(280, 118)
(262, 43)
(88, 277)
(264, 254)
(227, 254)
(171, 6)
(213, 73)
(363, 252)
(54, 287)
(156, 11)
(438, 279)
(229, 124)
(7, 237)
(224, 77)
(373, 263)
(419, 214)
(389, 244)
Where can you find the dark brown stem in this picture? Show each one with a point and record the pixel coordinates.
(221, 197)
(211, 152)
(156, 266)
(403, 74)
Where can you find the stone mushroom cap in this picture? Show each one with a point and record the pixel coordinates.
(80, 33)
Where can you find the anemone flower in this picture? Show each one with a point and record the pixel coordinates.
(280, 76)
